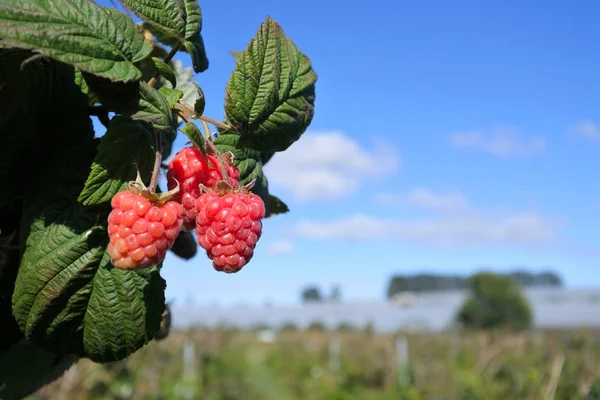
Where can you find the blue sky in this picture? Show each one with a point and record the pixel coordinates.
(448, 136)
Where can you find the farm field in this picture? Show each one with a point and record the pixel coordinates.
(227, 364)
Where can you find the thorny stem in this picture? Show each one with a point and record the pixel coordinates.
(157, 163)
(184, 110)
(220, 158)
(216, 123)
(171, 54)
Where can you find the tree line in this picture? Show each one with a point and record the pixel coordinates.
(435, 282)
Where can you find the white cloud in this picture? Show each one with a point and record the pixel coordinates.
(585, 129)
(500, 141)
(280, 247)
(423, 198)
(328, 165)
(454, 223)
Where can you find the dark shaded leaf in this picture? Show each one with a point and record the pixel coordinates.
(276, 206)
(185, 245)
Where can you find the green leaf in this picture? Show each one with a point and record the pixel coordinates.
(271, 93)
(68, 297)
(195, 46)
(172, 95)
(236, 54)
(153, 108)
(200, 102)
(126, 146)
(248, 162)
(174, 23)
(276, 206)
(97, 40)
(191, 131)
(165, 71)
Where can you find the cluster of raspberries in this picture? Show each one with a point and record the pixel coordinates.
(226, 217)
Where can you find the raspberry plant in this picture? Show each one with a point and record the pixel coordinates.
(66, 292)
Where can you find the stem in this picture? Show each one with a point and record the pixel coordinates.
(157, 163)
(207, 129)
(101, 112)
(217, 123)
(171, 54)
(220, 158)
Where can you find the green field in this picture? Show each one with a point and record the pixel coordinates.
(232, 365)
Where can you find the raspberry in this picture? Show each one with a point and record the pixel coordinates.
(141, 232)
(228, 227)
(190, 168)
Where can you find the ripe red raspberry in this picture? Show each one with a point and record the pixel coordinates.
(140, 232)
(228, 227)
(190, 168)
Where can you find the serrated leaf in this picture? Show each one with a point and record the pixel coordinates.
(154, 108)
(271, 93)
(174, 23)
(177, 19)
(200, 102)
(172, 95)
(68, 297)
(236, 54)
(97, 40)
(248, 163)
(165, 71)
(193, 133)
(126, 146)
(276, 206)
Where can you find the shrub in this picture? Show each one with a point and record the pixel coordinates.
(495, 302)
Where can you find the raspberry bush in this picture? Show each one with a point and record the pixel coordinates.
(82, 240)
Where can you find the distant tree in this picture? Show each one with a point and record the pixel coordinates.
(288, 327)
(316, 326)
(259, 326)
(433, 282)
(336, 294)
(495, 302)
(424, 282)
(345, 327)
(311, 294)
(544, 279)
